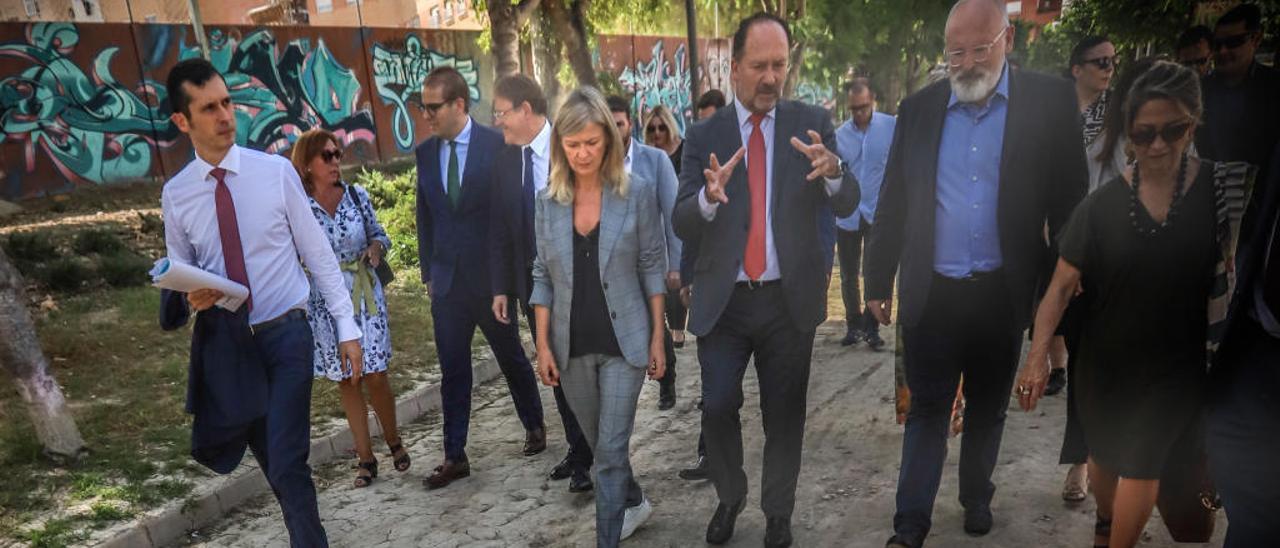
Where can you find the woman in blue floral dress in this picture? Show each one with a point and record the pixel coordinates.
(347, 217)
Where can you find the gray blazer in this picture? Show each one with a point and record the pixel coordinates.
(653, 164)
(632, 266)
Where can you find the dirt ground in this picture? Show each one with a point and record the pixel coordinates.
(845, 498)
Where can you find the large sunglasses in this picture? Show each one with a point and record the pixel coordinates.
(1231, 42)
(1103, 63)
(330, 155)
(656, 128)
(1169, 134)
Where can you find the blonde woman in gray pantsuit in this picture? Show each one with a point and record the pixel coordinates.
(598, 291)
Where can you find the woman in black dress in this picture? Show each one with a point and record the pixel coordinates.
(1141, 251)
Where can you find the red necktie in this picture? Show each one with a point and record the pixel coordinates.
(754, 260)
(229, 232)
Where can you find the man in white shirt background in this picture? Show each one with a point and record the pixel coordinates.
(243, 214)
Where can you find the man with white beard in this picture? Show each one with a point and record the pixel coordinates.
(962, 212)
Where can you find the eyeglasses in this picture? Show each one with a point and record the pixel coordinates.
(433, 108)
(656, 128)
(330, 155)
(1103, 63)
(498, 114)
(1170, 133)
(1231, 42)
(1197, 62)
(956, 57)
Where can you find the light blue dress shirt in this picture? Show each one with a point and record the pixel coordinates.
(966, 239)
(866, 153)
(463, 138)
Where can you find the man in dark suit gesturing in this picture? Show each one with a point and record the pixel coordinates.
(760, 275)
(454, 198)
(979, 163)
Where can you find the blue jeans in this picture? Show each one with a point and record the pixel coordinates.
(281, 442)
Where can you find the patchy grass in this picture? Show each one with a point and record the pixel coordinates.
(125, 380)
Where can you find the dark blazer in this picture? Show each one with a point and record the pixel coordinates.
(1043, 176)
(796, 205)
(453, 243)
(511, 249)
(1251, 251)
(226, 381)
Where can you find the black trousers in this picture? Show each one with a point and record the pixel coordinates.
(849, 253)
(579, 451)
(756, 323)
(1244, 417)
(967, 329)
(1074, 448)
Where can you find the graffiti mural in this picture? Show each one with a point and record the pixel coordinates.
(823, 96)
(660, 82)
(279, 96)
(92, 127)
(398, 77)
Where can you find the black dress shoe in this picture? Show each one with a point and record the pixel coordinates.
(1057, 381)
(901, 541)
(666, 396)
(698, 472)
(562, 470)
(977, 521)
(851, 338)
(535, 441)
(873, 339)
(720, 530)
(580, 481)
(777, 533)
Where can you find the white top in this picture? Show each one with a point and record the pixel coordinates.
(463, 140)
(541, 146)
(767, 125)
(276, 228)
(626, 160)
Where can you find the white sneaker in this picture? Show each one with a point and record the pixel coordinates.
(634, 517)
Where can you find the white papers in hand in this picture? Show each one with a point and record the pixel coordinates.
(176, 276)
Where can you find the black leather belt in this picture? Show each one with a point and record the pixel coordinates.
(292, 314)
(749, 284)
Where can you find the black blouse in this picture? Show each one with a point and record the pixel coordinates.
(590, 328)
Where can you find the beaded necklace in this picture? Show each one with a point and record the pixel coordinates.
(1135, 202)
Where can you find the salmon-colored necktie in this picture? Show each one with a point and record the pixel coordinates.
(229, 232)
(753, 262)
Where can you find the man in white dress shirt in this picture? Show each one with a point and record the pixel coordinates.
(243, 214)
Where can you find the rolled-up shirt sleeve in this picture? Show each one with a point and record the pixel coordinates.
(313, 246)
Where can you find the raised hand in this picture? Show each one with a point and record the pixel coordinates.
(718, 176)
(824, 162)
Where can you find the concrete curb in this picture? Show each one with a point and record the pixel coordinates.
(166, 525)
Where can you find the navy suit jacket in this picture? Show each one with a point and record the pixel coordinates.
(226, 381)
(453, 243)
(511, 246)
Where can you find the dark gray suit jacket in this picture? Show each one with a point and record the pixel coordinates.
(1043, 176)
(795, 202)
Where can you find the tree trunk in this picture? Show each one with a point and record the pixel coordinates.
(21, 357)
(570, 24)
(505, 21)
(546, 48)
